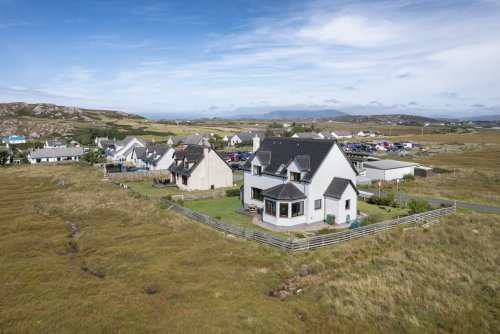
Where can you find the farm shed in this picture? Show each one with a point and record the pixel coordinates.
(422, 171)
(388, 169)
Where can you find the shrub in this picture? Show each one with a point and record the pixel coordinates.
(382, 200)
(300, 235)
(418, 206)
(232, 192)
(409, 177)
(218, 217)
(373, 218)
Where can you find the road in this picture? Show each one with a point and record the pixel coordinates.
(469, 206)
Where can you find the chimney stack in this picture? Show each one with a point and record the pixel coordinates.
(256, 143)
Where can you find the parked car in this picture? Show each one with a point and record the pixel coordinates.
(236, 166)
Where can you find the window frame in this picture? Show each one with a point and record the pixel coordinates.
(300, 212)
(253, 190)
(282, 205)
(347, 204)
(320, 201)
(294, 176)
(257, 170)
(270, 208)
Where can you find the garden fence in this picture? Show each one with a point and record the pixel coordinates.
(310, 243)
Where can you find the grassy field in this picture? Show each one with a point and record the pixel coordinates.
(224, 209)
(473, 177)
(198, 280)
(381, 213)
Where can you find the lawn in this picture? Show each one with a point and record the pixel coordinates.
(136, 267)
(224, 209)
(379, 213)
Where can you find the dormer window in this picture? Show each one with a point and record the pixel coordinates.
(257, 170)
(294, 176)
(186, 165)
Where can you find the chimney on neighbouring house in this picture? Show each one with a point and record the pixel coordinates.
(256, 143)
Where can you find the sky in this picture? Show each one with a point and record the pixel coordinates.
(233, 57)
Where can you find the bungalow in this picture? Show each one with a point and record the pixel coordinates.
(388, 170)
(55, 143)
(59, 154)
(300, 181)
(241, 137)
(199, 167)
(307, 135)
(197, 139)
(153, 157)
(14, 140)
(325, 135)
(365, 133)
(341, 134)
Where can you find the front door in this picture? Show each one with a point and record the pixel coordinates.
(347, 218)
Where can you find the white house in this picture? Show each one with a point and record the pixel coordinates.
(176, 140)
(199, 167)
(341, 134)
(388, 169)
(307, 135)
(122, 150)
(53, 143)
(325, 135)
(59, 154)
(241, 137)
(153, 157)
(365, 133)
(14, 140)
(300, 181)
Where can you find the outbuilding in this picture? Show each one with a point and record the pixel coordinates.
(388, 170)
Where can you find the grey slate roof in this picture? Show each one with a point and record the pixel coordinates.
(57, 152)
(194, 140)
(282, 151)
(337, 187)
(389, 164)
(247, 136)
(192, 153)
(284, 192)
(305, 135)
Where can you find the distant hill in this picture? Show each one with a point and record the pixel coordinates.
(52, 111)
(390, 118)
(295, 114)
(486, 118)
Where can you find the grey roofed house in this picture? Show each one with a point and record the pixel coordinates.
(389, 164)
(56, 142)
(248, 136)
(192, 153)
(276, 153)
(176, 140)
(285, 192)
(338, 186)
(196, 139)
(327, 135)
(57, 152)
(307, 135)
(149, 153)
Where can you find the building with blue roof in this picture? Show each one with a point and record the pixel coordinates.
(14, 140)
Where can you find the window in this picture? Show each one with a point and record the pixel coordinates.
(347, 204)
(284, 210)
(297, 209)
(294, 176)
(186, 165)
(257, 170)
(317, 204)
(184, 180)
(270, 207)
(257, 194)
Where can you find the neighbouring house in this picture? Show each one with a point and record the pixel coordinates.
(325, 135)
(121, 151)
(388, 170)
(365, 133)
(225, 138)
(341, 134)
(197, 139)
(14, 140)
(59, 154)
(241, 137)
(199, 167)
(298, 181)
(176, 140)
(53, 143)
(153, 157)
(307, 135)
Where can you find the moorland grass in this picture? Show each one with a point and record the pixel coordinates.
(139, 268)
